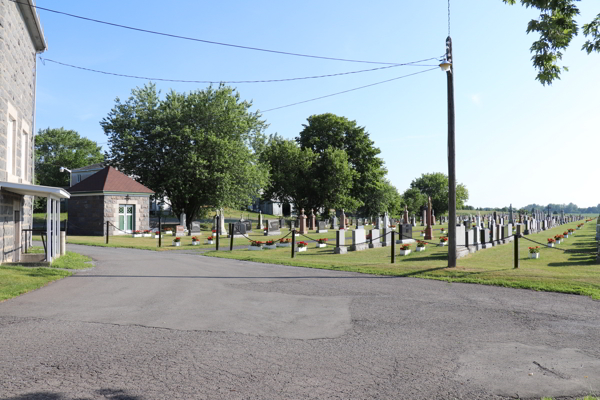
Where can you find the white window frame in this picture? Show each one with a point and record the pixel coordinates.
(11, 132)
(25, 135)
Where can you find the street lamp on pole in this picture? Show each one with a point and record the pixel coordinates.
(447, 66)
(63, 169)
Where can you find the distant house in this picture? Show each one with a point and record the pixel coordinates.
(80, 174)
(21, 39)
(108, 196)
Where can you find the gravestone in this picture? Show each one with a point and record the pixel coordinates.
(281, 223)
(387, 236)
(405, 234)
(311, 220)
(222, 222)
(302, 218)
(375, 241)
(195, 227)
(272, 228)
(182, 220)
(321, 227)
(248, 224)
(259, 226)
(343, 220)
(485, 238)
(239, 229)
(378, 223)
(179, 230)
(334, 223)
(424, 217)
(340, 241)
(359, 240)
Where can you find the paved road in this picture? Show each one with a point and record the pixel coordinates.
(148, 325)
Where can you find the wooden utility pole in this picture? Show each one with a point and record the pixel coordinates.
(451, 159)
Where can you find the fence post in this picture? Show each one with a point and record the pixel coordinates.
(107, 231)
(159, 231)
(516, 256)
(293, 242)
(393, 248)
(231, 237)
(218, 230)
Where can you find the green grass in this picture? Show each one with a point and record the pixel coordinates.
(41, 217)
(15, 280)
(574, 272)
(72, 261)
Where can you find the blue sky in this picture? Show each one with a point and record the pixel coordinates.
(517, 141)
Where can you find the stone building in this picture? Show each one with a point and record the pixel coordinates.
(21, 39)
(108, 196)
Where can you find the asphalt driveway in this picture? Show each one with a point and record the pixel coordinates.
(168, 325)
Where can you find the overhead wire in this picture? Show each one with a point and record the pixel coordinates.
(412, 64)
(201, 40)
(350, 90)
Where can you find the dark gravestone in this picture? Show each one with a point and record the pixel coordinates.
(239, 228)
(281, 223)
(248, 225)
(406, 231)
(292, 225)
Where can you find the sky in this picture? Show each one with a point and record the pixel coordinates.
(517, 142)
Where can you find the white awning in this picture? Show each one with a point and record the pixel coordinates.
(34, 190)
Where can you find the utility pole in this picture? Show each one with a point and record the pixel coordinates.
(451, 158)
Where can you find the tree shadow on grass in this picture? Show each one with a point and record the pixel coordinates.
(436, 256)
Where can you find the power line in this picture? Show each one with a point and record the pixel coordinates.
(351, 90)
(412, 64)
(202, 40)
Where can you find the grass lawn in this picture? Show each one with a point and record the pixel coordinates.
(72, 261)
(574, 272)
(41, 217)
(15, 281)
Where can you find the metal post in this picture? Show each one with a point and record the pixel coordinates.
(516, 256)
(293, 242)
(231, 237)
(451, 159)
(218, 230)
(393, 248)
(159, 231)
(107, 231)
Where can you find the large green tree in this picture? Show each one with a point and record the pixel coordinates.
(557, 26)
(326, 131)
(435, 185)
(194, 148)
(60, 147)
(307, 179)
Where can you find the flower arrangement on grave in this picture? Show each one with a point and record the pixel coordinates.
(214, 231)
(168, 229)
(393, 226)
(194, 239)
(270, 242)
(256, 243)
(571, 230)
(420, 243)
(551, 240)
(560, 237)
(322, 241)
(565, 233)
(285, 240)
(137, 232)
(177, 240)
(534, 250)
(405, 247)
(442, 230)
(146, 231)
(209, 238)
(443, 239)
(302, 244)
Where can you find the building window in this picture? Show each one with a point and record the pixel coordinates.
(24, 153)
(78, 178)
(10, 145)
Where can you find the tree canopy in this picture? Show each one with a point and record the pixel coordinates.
(435, 185)
(60, 147)
(329, 131)
(194, 148)
(557, 26)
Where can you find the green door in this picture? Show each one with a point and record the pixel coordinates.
(126, 218)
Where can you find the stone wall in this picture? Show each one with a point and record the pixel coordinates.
(9, 202)
(88, 214)
(17, 88)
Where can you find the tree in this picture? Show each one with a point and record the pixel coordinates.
(306, 179)
(435, 185)
(59, 147)
(557, 27)
(194, 148)
(414, 200)
(328, 130)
